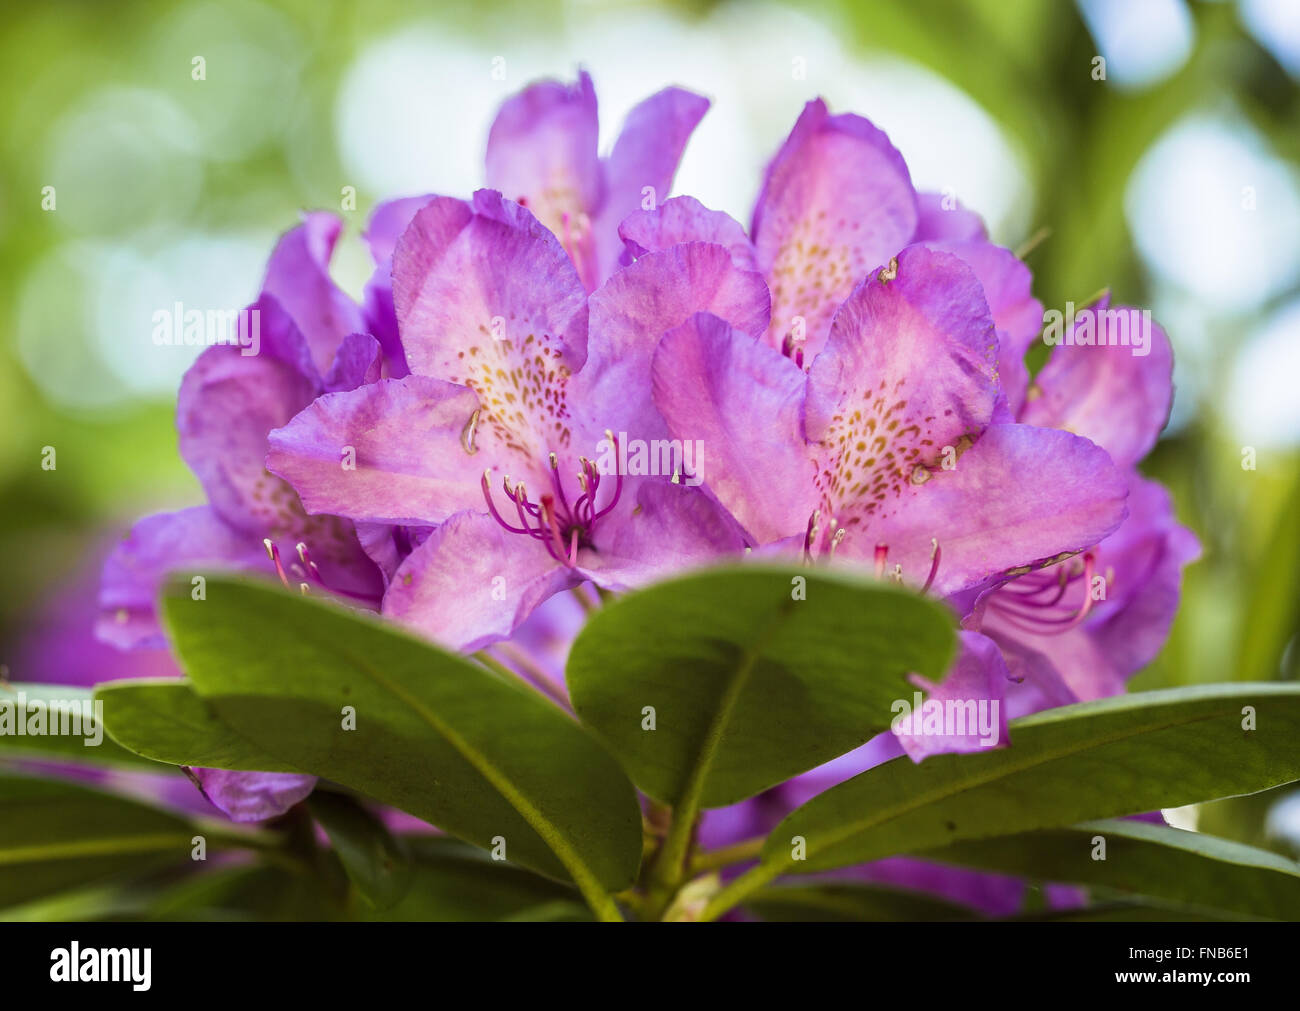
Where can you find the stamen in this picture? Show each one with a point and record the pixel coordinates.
(487, 497)
(562, 527)
(305, 557)
(556, 482)
(810, 537)
(467, 434)
(792, 348)
(934, 563)
(882, 552)
(618, 480)
(1018, 609)
(548, 514)
(273, 553)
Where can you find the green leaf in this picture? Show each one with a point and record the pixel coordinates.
(436, 735)
(1271, 608)
(164, 719)
(257, 892)
(848, 902)
(1101, 759)
(452, 882)
(56, 835)
(1134, 911)
(1186, 868)
(20, 702)
(375, 862)
(749, 685)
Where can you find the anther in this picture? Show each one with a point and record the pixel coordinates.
(273, 553)
(467, 434)
(934, 563)
(810, 537)
(308, 565)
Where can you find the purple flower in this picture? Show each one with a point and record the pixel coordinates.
(228, 403)
(912, 445)
(58, 647)
(837, 203)
(229, 400)
(890, 452)
(1044, 494)
(542, 153)
(1080, 629)
(509, 435)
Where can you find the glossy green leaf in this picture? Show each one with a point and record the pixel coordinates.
(751, 675)
(850, 902)
(375, 862)
(1156, 861)
(454, 882)
(55, 706)
(56, 835)
(1099, 759)
(167, 721)
(336, 693)
(1132, 911)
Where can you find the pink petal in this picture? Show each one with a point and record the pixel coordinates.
(743, 401)
(837, 202)
(389, 452)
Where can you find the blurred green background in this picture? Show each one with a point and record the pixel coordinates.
(1173, 181)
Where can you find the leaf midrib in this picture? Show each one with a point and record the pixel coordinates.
(871, 821)
(539, 823)
(114, 846)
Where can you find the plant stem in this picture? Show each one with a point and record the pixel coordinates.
(739, 890)
(670, 866)
(534, 680)
(529, 669)
(1033, 242)
(725, 856)
(605, 908)
(670, 862)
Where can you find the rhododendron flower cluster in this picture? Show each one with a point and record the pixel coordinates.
(851, 364)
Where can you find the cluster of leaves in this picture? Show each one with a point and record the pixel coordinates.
(680, 706)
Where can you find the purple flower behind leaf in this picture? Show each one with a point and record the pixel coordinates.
(1080, 629)
(228, 403)
(889, 422)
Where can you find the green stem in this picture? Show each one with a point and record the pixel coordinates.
(532, 678)
(725, 856)
(604, 906)
(670, 865)
(530, 670)
(739, 890)
(1032, 243)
